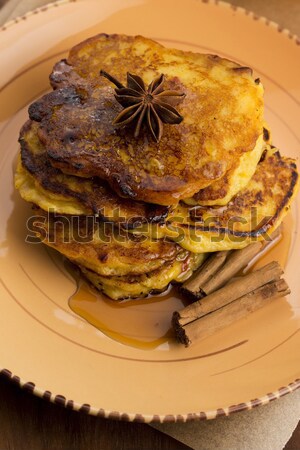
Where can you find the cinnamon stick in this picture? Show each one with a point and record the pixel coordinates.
(218, 269)
(236, 261)
(230, 292)
(191, 289)
(226, 315)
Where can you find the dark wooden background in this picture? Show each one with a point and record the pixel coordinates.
(30, 423)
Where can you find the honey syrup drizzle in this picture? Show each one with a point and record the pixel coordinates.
(280, 251)
(146, 323)
(142, 323)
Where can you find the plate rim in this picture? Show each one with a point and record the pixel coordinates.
(59, 399)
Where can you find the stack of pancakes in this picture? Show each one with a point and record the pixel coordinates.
(134, 214)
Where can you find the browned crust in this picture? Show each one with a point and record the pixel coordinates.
(283, 169)
(128, 279)
(94, 194)
(76, 123)
(104, 249)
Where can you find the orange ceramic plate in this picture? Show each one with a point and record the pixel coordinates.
(53, 351)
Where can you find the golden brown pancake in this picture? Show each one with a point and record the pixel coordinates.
(103, 247)
(222, 110)
(133, 214)
(253, 214)
(50, 189)
(120, 264)
(138, 286)
(220, 192)
(253, 211)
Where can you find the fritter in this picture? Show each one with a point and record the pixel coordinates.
(222, 110)
(120, 264)
(50, 189)
(253, 214)
(220, 192)
(157, 281)
(255, 210)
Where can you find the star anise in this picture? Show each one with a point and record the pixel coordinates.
(152, 105)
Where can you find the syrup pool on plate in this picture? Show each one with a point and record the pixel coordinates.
(142, 323)
(146, 323)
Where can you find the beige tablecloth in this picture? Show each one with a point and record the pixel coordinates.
(268, 427)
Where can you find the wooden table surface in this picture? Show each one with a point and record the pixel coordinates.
(28, 422)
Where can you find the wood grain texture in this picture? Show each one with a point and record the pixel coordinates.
(294, 442)
(28, 422)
